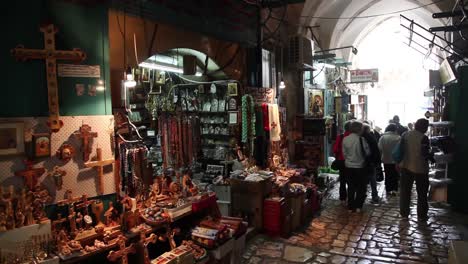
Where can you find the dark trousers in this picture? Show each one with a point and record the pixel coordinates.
(371, 170)
(343, 182)
(422, 187)
(357, 187)
(391, 177)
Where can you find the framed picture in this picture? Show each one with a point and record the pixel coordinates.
(232, 89)
(232, 104)
(41, 145)
(232, 118)
(316, 103)
(160, 77)
(11, 138)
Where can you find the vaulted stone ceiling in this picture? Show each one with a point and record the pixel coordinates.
(341, 22)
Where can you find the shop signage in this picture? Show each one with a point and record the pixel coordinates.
(72, 70)
(369, 75)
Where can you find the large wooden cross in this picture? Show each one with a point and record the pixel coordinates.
(123, 251)
(85, 135)
(30, 174)
(50, 55)
(99, 165)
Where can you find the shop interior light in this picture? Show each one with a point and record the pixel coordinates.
(160, 67)
(129, 81)
(100, 86)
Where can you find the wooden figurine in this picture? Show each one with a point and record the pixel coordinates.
(144, 242)
(72, 220)
(85, 135)
(97, 207)
(10, 218)
(19, 217)
(111, 215)
(57, 175)
(30, 174)
(123, 251)
(50, 55)
(29, 214)
(79, 221)
(69, 199)
(99, 165)
(3, 221)
(65, 153)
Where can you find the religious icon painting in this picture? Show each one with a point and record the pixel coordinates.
(201, 88)
(316, 103)
(91, 90)
(11, 138)
(41, 145)
(232, 118)
(232, 104)
(160, 77)
(232, 89)
(80, 89)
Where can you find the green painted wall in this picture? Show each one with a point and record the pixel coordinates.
(458, 170)
(25, 91)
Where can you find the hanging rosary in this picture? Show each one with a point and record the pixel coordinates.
(246, 110)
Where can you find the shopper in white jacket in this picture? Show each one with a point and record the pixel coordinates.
(387, 144)
(355, 151)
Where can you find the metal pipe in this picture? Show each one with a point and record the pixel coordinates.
(419, 45)
(431, 41)
(447, 14)
(448, 28)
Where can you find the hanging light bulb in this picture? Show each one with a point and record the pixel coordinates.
(282, 85)
(129, 81)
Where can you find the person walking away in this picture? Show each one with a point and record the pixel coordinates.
(338, 151)
(400, 129)
(355, 151)
(387, 143)
(373, 161)
(415, 168)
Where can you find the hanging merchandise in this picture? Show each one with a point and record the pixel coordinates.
(248, 121)
(275, 127)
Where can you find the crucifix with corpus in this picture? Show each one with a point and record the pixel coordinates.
(99, 164)
(50, 55)
(30, 174)
(123, 251)
(85, 135)
(144, 242)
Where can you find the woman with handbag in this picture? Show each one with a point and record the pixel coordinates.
(355, 151)
(338, 164)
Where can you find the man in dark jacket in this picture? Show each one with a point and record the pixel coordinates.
(374, 161)
(400, 129)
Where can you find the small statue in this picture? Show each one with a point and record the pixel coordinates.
(29, 215)
(110, 215)
(79, 221)
(10, 220)
(19, 218)
(71, 219)
(3, 221)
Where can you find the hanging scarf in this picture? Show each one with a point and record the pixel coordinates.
(275, 127)
(245, 120)
(266, 123)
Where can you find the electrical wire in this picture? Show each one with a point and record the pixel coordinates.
(376, 15)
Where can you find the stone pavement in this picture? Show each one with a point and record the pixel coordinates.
(377, 235)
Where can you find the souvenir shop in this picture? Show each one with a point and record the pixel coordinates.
(136, 149)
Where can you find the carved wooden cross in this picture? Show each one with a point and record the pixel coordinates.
(60, 220)
(99, 165)
(144, 242)
(85, 135)
(123, 251)
(50, 55)
(30, 174)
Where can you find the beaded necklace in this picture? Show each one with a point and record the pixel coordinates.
(246, 112)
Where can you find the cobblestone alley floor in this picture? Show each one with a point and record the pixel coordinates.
(377, 235)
